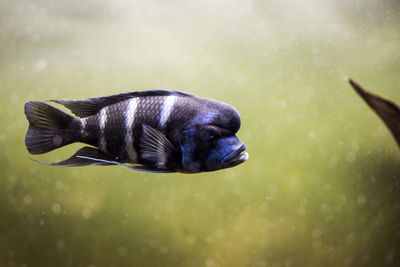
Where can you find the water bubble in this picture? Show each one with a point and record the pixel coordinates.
(163, 249)
(219, 233)
(59, 184)
(349, 238)
(33, 8)
(86, 213)
(208, 239)
(316, 233)
(325, 207)
(301, 210)
(333, 160)
(122, 251)
(264, 207)
(3, 138)
(312, 135)
(303, 201)
(366, 257)
(36, 37)
(389, 257)
(154, 243)
(41, 65)
(14, 98)
(56, 208)
(190, 239)
(361, 199)
(28, 200)
(288, 262)
(355, 147)
(60, 244)
(316, 243)
(348, 261)
(29, 29)
(209, 263)
(272, 188)
(351, 156)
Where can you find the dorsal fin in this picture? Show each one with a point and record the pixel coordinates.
(90, 106)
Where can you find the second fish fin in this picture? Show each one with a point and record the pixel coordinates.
(388, 111)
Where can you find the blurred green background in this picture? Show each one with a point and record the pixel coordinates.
(321, 187)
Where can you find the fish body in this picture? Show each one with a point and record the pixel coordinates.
(156, 131)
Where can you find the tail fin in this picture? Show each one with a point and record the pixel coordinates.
(49, 128)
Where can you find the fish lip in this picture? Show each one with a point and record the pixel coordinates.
(236, 157)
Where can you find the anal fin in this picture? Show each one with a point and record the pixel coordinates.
(92, 156)
(131, 167)
(83, 157)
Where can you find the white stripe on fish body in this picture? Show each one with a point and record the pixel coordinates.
(83, 126)
(102, 123)
(166, 110)
(129, 121)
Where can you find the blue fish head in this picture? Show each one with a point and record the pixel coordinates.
(226, 153)
(210, 148)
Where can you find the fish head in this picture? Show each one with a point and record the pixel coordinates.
(211, 144)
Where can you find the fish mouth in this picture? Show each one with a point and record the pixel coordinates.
(236, 157)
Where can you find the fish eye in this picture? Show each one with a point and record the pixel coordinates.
(211, 132)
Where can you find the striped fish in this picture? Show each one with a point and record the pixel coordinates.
(155, 131)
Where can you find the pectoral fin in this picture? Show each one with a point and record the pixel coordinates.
(155, 146)
(388, 111)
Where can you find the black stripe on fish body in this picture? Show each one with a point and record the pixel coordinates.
(148, 112)
(90, 130)
(115, 130)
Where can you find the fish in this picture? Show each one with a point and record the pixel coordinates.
(158, 131)
(386, 109)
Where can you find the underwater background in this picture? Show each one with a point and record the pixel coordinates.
(321, 186)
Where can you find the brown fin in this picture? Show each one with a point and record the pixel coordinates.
(88, 107)
(388, 111)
